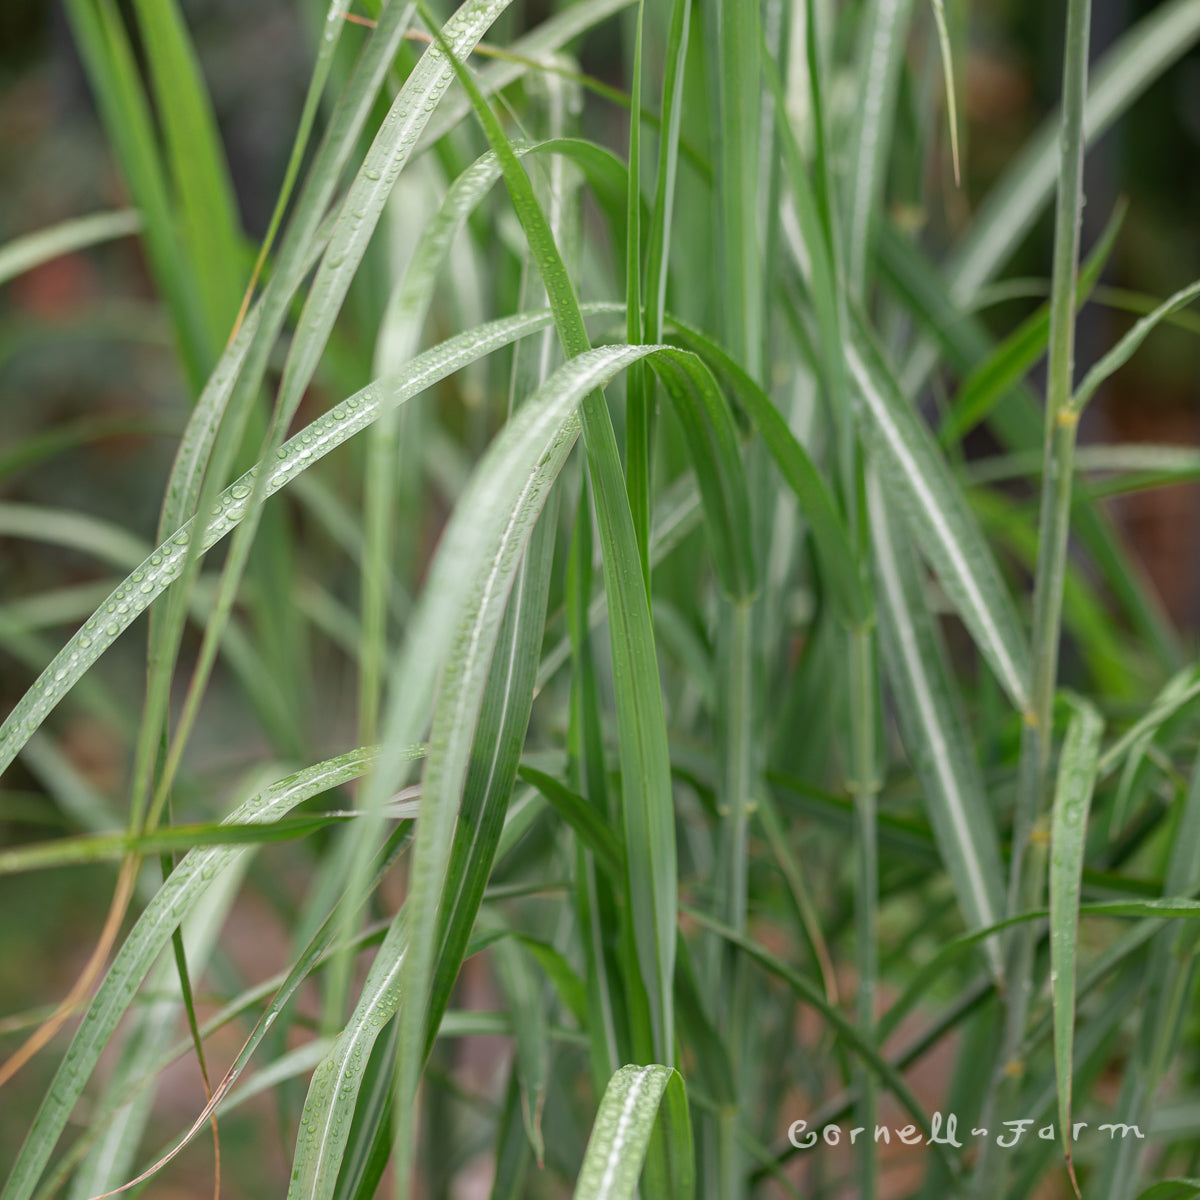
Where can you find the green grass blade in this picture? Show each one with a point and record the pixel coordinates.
(801, 474)
(1027, 864)
(658, 247)
(714, 455)
(638, 396)
(392, 147)
(367, 1146)
(521, 987)
(113, 73)
(1124, 350)
(818, 258)
(880, 57)
(805, 909)
(595, 895)
(581, 816)
(738, 122)
(1153, 911)
(935, 733)
(1172, 1189)
(279, 991)
(503, 725)
(24, 253)
(943, 34)
(185, 485)
(304, 230)
(335, 22)
(621, 1134)
(511, 1147)
(561, 974)
(72, 530)
(112, 847)
(456, 628)
(945, 528)
(111, 1158)
(209, 225)
(1180, 690)
(352, 232)
(1168, 983)
(337, 1082)
(1072, 799)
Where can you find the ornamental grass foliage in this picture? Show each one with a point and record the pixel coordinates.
(641, 689)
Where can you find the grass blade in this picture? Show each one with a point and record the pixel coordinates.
(581, 816)
(112, 71)
(945, 529)
(801, 474)
(621, 1134)
(24, 253)
(939, 17)
(934, 731)
(112, 847)
(1172, 1189)
(209, 226)
(1072, 800)
(1124, 350)
(881, 55)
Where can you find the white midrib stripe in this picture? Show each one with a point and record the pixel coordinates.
(622, 1133)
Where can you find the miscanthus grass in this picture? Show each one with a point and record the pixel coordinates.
(660, 726)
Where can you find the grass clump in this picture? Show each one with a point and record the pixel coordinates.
(611, 654)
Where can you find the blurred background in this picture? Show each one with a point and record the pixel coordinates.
(92, 403)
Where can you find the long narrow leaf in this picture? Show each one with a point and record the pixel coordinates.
(1072, 800)
(621, 1133)
(945, 529)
